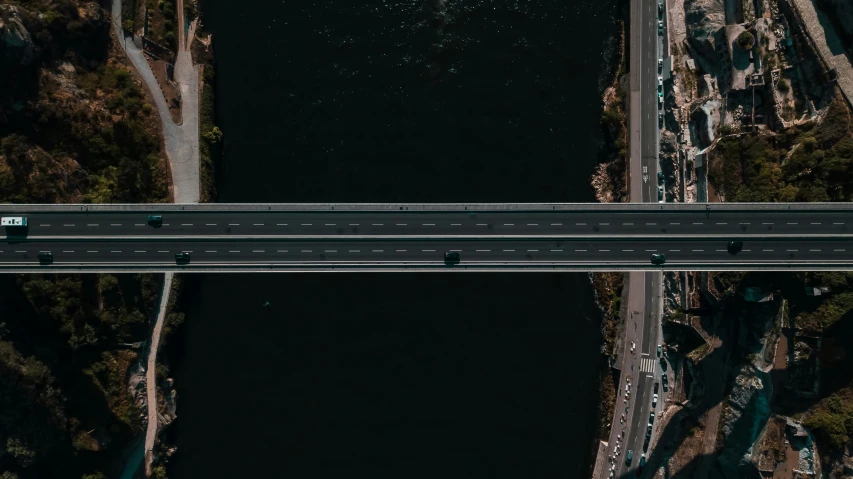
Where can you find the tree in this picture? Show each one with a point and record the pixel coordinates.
(745, 40)
(214, 135)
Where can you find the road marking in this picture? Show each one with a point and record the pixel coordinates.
(557, 250)
(509, 224)
(237, 251)
(95, 251)
(719, 250)
(233, 224)
(650, 250)
(257, 224)
(603, 224)
(457, 250)
(353, 224)
(378, 251)
(281, 224)
(92, 224)
(115, 224)
(186, 224)
(211, 251)
(698, 250)
(556, 224)
(482, 224)
(675, 223)
(792, 223)
(747, 250)
(509, 251)
(838, 249)
(767, 250)
(580, 250)
(377, 224)
(647, 365)
(69, 225)
(814, 250)
(307, 224)
(20, 251)
(792, 250)
(580, 224)
(533, 251)
(73, 251)
(628, 250)
(45, 224)
(744, 223)
(698, 223)
(257, 251)
(605, 250)
(115, 251)
(162, 251)
(400, 250)
(815, 223)
(307, 251)
(402, 224)
(532, 224)
(210, 224)
(650, 224)
(455, 224)
(330, 224)
(429, 224)
(137, 251)
(277, 251)
(767, 223)
(723, 223)
(480, 250)
(838, 223)
(330, 251)
(136, 224)
(675, 251)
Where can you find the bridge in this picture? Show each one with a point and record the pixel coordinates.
(414, 237)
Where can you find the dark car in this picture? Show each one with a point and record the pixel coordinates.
(658, 258)
(182, 258)
(660, 177)
(155, 220)
(651, 418)
(656, 388)
(452, 257)
(640, 467)
(646, 444)
(735, 247)
(45, 258)
(629, 457)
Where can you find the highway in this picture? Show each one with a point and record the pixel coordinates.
(583, 255)
(659, 222)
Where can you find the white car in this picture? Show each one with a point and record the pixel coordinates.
(660, 83)
(654, 400)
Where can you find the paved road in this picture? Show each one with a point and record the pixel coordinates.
(661, 224)
(590, 253)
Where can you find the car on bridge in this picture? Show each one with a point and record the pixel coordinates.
(658, 258)
(452, 257)
(155, 220)
(735, 247)
(45, 258)
(182, 258)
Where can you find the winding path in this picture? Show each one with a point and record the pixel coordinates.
(151, 372)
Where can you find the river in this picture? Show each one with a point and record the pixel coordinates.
(397, 375)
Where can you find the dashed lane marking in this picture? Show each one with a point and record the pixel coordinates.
(257, 224)
(650, 224)
(400, 250)
(162, 251)
(533, 251)
(233, 224)
(137, 251)
(455, 224)
(627, 250)
(603, 224)
(698, 250)
(402, 224)
(115, 224)
(379, 251)
(792, 223)
(277, 251)
(45, 224)
(557, 250)
(237, 251)
(330, 224)
(115, 251)
(479, 250)
(307, 251)
(69, 225)
(792, 250)
(210, 224)
(722, 223)
(839, 250)
(767, 250)
(330, 251)
(92, 224)
(698, 223)
(627, 224)
(429, 224)
(377, 224)
(210, 251)
(675, 223)
(281, 224)
(509, 224)
(815, 223)
(580, 224)
(73, 251)
(355, 251)
(186, 224)
(838, 223)
(813, 250)
(675, 250)
(257, 251)
(307, 224)
(532, 224)
(556, 224)
(94, 251)
(605, 250)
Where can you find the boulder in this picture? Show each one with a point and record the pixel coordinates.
(748, 409)
(704, 20)
(16, 43)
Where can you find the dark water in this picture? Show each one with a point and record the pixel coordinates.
(387, 375)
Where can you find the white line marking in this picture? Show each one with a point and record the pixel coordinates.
(650, 250)
(355, 251)
(134, 251)
(627, 224)
(233, 224)
(20, 251)
(257, 224)
(698, 250)
(792, 250)
(377, 224)
(509, 224)
(533, 251)
(719, 250)
(813, 250)
(211, 251)
(767, 250)
(281, 224)
(330, 224)
(162, 251)
(603, 224)
(353, 224)
(115, 224)
(792, 223)
(92, 251)
(429, 224)
(307, 251)
(744, 223)
(68, 225)
(45, 224)
(210, 224)
(580, 224)
(698, 223)
(115, 251)
(509, 251)
(556, 224)
(92, 224)
(675, 223)
(605, 250)
(532, 224)
(838, 249)
(257, 251)
(378, 251)
(186, 224)
(628, 250)
(723, 223)
(400, 250)
(237, 251)
(767, 223)
(402, 224)
(136, 224)
(457, 250)
(650, 224)
(480, 250)
(838, 223)
(455, 224)
(557, 250)
(307, 224)
(675, 250)
(482, 224)
(73, 251)
(277, 251)
(580, 250)
(330, 251)
(815, 223)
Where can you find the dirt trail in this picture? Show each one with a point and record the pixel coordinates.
(151, 373)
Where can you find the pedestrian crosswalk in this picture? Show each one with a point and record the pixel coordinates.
(647, 365)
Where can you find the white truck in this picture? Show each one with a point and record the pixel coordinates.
(13, 221)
